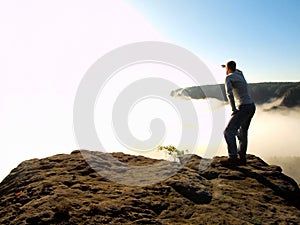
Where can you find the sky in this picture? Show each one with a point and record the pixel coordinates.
(46, 48)
(261, 36)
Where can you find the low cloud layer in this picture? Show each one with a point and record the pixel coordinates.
(272, 132)
(276, 132)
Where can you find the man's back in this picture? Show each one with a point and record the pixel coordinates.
(237, 87)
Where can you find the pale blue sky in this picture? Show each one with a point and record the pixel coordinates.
(263, 36)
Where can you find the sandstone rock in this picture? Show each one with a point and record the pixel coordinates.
(65, 189)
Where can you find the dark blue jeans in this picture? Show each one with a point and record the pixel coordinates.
(238, 126)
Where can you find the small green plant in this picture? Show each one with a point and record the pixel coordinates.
(172, 151)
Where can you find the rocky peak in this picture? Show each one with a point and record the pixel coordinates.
(65, 189)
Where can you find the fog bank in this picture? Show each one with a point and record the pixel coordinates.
(275, 132)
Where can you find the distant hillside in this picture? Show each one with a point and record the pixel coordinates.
(64, 189)
(262, 93)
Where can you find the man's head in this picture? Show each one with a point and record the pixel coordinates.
(230, 67)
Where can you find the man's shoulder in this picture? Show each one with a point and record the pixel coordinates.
(235, 76)
(229, 76)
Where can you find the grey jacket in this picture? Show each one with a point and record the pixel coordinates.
(237, 89)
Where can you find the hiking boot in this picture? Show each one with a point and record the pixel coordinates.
(231, 162)
(243, 161)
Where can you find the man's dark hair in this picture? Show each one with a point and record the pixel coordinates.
(231, 65)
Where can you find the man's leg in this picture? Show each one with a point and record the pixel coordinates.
(230, 133)
(243, 140)
(243, 132)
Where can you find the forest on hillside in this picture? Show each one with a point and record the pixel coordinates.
(262, 93)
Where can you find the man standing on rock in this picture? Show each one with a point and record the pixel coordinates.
(237, 91)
